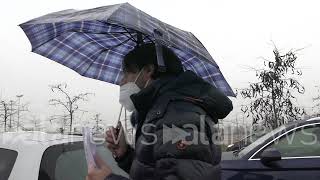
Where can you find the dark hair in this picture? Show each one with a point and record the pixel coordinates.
(145, 54)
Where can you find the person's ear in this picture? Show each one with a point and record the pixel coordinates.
(149, 70)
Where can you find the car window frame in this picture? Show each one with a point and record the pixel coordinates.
(261, 149)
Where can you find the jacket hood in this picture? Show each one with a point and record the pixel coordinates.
(195, 89)
(190, 87)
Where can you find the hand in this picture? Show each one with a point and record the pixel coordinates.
(100, 172)
(116, 141)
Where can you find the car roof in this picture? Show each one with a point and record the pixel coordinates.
(36, 139)
(302, 122)
(313, 119)
(38, 136)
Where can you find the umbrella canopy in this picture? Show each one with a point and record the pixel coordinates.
(93, 42)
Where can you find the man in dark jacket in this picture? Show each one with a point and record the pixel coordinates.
(174, 113)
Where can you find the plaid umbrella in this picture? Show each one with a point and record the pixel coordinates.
(93, 42)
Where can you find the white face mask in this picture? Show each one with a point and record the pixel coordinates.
(126, 91)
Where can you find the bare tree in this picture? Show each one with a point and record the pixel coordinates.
(62, 120)
(9, 109)
(12, 112)
(316, 101)
(36, 123)
(18, 110)
(97, 127)
(69, 103)
(272, 99)
(5, 113)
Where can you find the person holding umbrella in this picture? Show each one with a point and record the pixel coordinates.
(163, 102)
(167, 78)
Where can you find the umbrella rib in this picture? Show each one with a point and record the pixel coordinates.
(126, 30)
(119, 26)
(101, 33)
(136, 41)
(105, 50)
(130, 37)
(124, 33)
(147, 37)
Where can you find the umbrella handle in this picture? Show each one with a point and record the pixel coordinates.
(139, 39)
(159, 50)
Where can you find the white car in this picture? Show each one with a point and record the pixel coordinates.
(42, 156)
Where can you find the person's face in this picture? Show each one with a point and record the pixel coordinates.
(144, 77)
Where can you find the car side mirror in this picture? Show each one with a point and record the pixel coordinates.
(270, 155)
(230, 147)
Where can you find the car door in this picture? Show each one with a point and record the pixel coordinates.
(300, 158)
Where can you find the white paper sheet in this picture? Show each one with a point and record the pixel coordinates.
(90, 148)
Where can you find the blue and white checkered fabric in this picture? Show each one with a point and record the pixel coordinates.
(93, 42)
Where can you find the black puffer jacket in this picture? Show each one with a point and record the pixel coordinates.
(175, 118)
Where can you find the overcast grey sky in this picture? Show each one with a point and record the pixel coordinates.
(236, 33)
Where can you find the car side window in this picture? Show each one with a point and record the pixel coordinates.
(54, 157)
(302, 142)
(67, 161)
(7, 160)
(71, 165)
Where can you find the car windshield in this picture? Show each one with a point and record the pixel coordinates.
(7, 160)
(260, 140)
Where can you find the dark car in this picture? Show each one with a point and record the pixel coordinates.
(290, 152)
